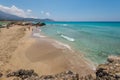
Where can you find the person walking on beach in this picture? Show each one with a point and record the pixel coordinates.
(29, 28)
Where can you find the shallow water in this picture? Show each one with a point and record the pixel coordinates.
(96, 40)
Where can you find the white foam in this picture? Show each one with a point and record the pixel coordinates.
(38, 35)
(65, 25)
(60, 45)
(67, 38)
(39, 30)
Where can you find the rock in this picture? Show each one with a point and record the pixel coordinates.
(17, 78)
(1, 74)
(39, 24)
(110, 70)
(107, 71)
(23, 74)
(112, 59)
(117, 75)
(42, 24)
(88, 77)
(31, 75)
(67, 75)
(69, 72)
(47, 77)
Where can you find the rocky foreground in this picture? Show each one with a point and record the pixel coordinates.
(107, 71)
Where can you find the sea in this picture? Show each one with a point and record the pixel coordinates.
(95, 40)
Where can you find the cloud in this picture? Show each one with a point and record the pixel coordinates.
(42, 12)
(17, 11)
(45, 13)
(29, 10)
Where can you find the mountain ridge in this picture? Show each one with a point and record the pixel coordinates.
(7, 16)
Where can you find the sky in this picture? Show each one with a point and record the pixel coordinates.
(64, 10)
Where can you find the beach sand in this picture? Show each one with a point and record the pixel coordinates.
(53, 58)
(44, 55)
(9, 40)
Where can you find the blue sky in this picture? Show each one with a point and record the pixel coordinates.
(69, 10)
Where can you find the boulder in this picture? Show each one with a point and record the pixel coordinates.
(109, 70)
(112, 59)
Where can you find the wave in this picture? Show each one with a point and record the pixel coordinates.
(67, 38)
(65, 24)
(62, 45)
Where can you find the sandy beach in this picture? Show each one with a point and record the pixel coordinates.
(9, 41)
(20, 50)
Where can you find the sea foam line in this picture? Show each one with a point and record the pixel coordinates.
(37, 33)
(61, 45)
(67, 38)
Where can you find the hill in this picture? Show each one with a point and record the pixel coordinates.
(7, 16)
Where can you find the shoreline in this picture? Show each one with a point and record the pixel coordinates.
(66, 50)
(67, 47)
(53, 58)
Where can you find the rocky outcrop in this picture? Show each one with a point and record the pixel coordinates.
(39, 24)
(107, 71)
(31, 75)
(23, 74)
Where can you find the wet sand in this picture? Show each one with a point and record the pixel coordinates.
(56, 58)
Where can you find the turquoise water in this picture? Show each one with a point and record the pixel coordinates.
(96, 40)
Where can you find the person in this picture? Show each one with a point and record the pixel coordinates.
(29, 28)
(7, 26)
